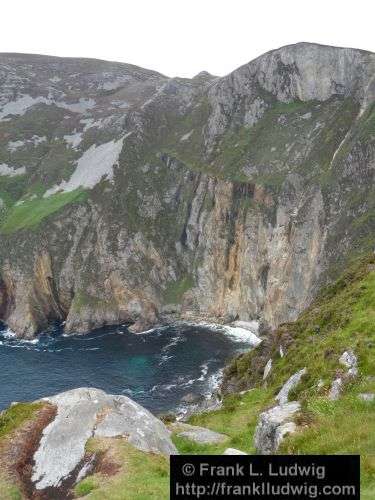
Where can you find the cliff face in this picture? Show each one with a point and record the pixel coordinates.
(127, 196)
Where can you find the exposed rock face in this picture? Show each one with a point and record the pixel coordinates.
(350, 361)
(84, 413)
(273, 425)
(267, 369)
(127, 196)
(336, 389)
(289, 385)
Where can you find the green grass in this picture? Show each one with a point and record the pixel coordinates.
(84, 487)
(16, 415)
(31, 212)
(237, 419)
(340, 427)
(142, 476)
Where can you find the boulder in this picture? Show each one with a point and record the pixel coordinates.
(290, 384)
(349, 360)
(273, 425)
(199, 435)
(87, 412)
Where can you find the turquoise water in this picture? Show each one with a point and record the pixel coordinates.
(156, 369)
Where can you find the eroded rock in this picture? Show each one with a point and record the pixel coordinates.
(349, 360)
(267, 369)
(336, 389)
(290, 384)
(273, 425)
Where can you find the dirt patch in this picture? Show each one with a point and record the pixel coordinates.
(108, 462)
(107, 465)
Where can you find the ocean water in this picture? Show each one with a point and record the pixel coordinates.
(156, 368)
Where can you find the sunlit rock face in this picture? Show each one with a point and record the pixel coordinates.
(128, 196)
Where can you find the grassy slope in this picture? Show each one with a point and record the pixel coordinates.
(342, 317)
(30, 213)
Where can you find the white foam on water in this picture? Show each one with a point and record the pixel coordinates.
(237, 334)
(242, 335)
(204, 371)
(165, 359)
(173, 342)
(8, 334)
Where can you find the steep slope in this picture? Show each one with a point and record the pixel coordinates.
(131, 197)
(341, 319)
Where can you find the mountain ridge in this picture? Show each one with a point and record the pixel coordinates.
(232, 198)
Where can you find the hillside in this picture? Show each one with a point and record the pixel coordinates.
(342, 318)
(223, 198)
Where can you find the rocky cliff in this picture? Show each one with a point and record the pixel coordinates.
(127, 196)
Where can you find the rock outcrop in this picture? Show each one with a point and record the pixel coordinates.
(273, 426)
(86, 413)
(349, 360)
(290, 384)
(130, 197)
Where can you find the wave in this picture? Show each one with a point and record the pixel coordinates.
(173, 342)
(237, 333)
(10, 335)
(152, 330)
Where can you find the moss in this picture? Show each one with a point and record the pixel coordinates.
(30, 213)
(174, 292)
(82, 299)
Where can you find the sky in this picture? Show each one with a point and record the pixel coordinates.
(181, 37)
